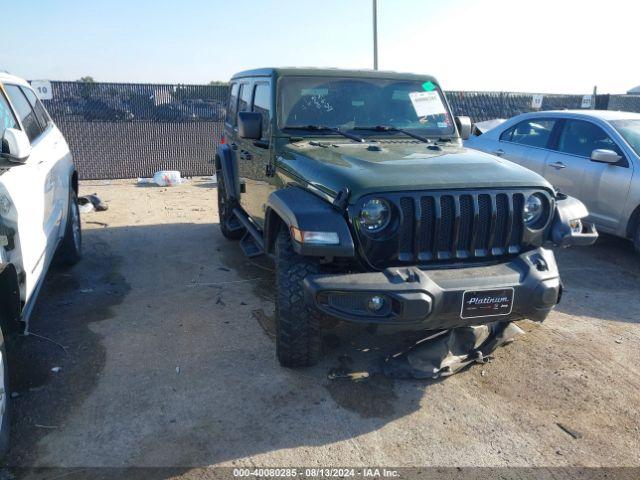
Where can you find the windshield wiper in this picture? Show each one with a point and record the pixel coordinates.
(323, 128)
(389, 128)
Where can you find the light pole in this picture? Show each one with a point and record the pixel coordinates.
(375, 34)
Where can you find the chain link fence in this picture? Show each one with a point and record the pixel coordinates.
(120, 130)
(134, 130)
(481, 106)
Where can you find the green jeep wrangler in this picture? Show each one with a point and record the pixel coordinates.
(358, 184)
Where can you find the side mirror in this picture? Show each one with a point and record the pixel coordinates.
(605, 156)
(464, 127)
(250, 125)
(17, 146)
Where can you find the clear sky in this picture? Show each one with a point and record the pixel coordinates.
(561, 46)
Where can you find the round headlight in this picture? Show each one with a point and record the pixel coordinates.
(374, 215)
(533, 209)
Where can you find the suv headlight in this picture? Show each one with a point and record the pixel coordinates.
(375, 215)
(533, 210)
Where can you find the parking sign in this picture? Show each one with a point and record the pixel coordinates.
(536, 101)
(42, 89)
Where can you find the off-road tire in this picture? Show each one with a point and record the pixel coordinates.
(70, 250)
(5, 417)
(225, 211)
(298, 338)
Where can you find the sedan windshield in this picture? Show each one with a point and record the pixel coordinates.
(349, 103)
(630, 131)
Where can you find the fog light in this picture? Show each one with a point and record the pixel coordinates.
(376, 303)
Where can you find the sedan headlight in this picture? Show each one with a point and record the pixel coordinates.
(375, 215)
(533, 210)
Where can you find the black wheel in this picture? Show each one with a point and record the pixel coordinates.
(229, 225)
(298, 336)
(4, 400)
(71, 246)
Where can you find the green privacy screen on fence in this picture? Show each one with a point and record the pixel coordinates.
(121, 130)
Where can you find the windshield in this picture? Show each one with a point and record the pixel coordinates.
(630, 131)
(349, 103)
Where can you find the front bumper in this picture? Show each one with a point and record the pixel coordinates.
(432, 299)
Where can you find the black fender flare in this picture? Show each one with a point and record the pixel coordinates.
(296, 207)
(227, 166)
(10, 304)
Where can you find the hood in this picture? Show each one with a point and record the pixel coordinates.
(391, 167)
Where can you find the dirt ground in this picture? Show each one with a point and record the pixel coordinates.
(164, 339)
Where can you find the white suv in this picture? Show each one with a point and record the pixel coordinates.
(39, 215)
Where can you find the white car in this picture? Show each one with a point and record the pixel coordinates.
(39, 215)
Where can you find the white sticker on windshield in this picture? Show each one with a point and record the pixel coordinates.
(427, 103)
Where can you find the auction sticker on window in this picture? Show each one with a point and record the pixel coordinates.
(427, 103)
(486, 303)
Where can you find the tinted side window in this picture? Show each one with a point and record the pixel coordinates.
(534, 132)
(245, 98)
(581, 138)
(25, 112)
(506, 135)
(262, 104)
(36, 104)
(232, 110)
(7, 120)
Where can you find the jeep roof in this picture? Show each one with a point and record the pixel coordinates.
(330, 72)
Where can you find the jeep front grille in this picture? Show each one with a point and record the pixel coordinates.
(430, 227)
(464, 225)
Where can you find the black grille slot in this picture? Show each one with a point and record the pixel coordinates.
(445, 231)
(405, 253)
(466, 225)
(502, 223)
(518, 221)
(426, 228)
(484, 223)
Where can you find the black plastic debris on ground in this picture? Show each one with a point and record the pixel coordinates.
(89, 203)
(449, 351)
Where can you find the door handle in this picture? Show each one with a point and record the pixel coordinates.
(499, 152)
(558, 165)
(234, 146)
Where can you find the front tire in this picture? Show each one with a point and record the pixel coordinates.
(298, 338)
(71, 246)
(4, 400)
(225, 212)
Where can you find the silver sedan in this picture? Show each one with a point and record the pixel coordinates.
(593, 155)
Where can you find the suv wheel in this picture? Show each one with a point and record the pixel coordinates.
(636, 239)
(225, 212)
(4, 399)
(297, 325)
(71, 246)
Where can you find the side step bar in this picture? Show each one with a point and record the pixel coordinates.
(234, 225)
(252, 244)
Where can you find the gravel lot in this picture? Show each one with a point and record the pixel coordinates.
(168, 360)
